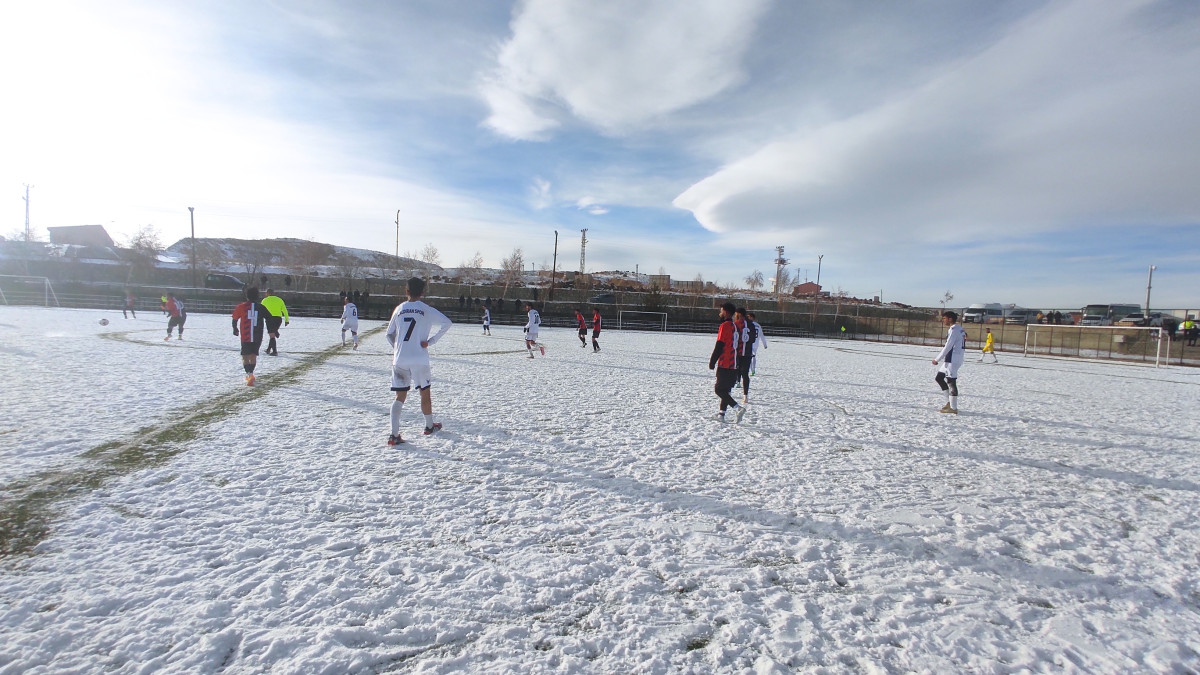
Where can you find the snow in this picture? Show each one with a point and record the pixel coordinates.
(582, 512)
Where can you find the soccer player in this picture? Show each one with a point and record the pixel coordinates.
(595, 330)
(951, 357)
(724, 361)
(130, 302)
(487, 321)
(408, 333)
(249, 322)
(278, 314)
(174, 307)
(745, 349)
(760, 341)
(349, 321)
(582, 328)
(531, 330)
(989, 348)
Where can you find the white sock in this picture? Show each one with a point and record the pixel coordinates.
(428, 421)
(397, 406)
(343, 337)
(954, 402)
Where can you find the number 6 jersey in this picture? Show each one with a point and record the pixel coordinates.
(410, 326)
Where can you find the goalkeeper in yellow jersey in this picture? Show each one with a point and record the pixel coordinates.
(989, 347)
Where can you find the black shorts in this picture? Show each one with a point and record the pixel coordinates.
(595, 334)
(725, 379)
(582, 332)
(251, 348)
(273, 323)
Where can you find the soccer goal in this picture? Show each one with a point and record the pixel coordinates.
(1122, 343)
(27, 290)
(630, 320)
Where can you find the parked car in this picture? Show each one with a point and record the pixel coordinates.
(1161, 319)
(987, 312)
(603, 299)
(1135, 319)
(223, 281)
(1020, 315)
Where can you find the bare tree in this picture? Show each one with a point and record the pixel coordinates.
(430, 255)
(144, 247)
(755, 280)
(470, 270)
(512, 267)
(348, 267)
(946, 298)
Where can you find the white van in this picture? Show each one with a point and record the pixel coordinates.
(988, 312)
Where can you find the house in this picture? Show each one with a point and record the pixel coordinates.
(806, 288)
(81, 235)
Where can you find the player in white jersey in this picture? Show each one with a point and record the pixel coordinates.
(951, 357)
(408, 333)
(759, 341)
(487, 321)
(349, 321)
(531, 330)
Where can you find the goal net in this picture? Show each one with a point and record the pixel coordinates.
(631, 320)
(1137, 343)
(27, 291)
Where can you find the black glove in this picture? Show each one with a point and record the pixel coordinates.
(235, 332)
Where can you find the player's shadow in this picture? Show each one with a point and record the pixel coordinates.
(1127, 477)
(372, 406)
(666, 498)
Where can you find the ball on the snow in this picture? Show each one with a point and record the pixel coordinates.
(103, 322)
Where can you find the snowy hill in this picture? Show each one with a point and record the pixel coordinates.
(290, 254)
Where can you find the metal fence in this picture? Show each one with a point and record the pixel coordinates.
(1144, 345)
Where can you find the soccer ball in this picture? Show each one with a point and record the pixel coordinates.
(103, 322)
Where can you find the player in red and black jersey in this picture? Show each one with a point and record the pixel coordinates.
(582, 328)
(249, 323)
(595, 330)
(724, 361)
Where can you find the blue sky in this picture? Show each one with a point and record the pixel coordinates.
(1041, 153)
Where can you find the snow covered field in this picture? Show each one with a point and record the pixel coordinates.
(582, 513)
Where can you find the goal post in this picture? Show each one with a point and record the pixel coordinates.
(633, 320)
(1131, 343)
(28, 290)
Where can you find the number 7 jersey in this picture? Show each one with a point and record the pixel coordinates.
(410, 326)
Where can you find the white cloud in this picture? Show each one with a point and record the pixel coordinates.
(615, 64)
(1081, 115)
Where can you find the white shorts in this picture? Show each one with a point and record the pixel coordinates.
(950, 369)
(351, 326)
(532, 334)
(408, 377)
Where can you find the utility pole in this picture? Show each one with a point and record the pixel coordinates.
(1148, 280)
(780, 262)
(28, 232)
(192, 215)
(583, 251)
(553, 268)
(819, 268)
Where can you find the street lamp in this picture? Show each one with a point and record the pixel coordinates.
(192, 215)
(1149, 278)
(819, 268)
